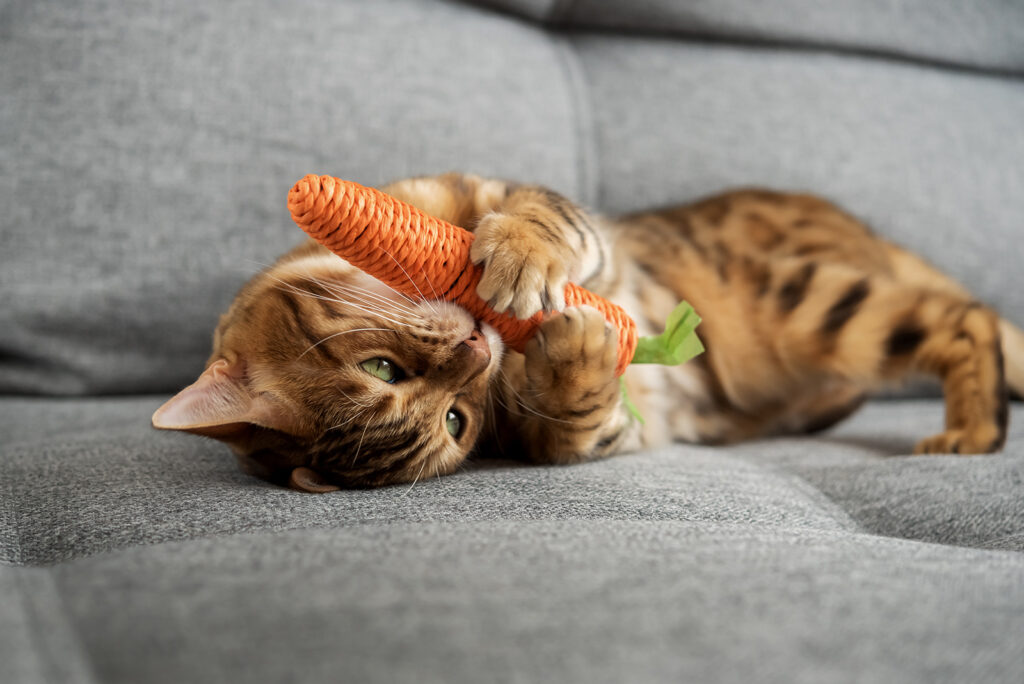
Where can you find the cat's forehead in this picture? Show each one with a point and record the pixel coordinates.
(328, 269)
(329, 285)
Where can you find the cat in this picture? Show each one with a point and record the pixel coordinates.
(322, 377)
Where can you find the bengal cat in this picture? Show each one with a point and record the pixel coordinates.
(322, 377)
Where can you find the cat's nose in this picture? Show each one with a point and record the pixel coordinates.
(468, 359)
(477, 344)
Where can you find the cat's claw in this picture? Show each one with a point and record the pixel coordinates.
(523, 273)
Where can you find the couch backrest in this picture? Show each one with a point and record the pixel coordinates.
(988, 34)
(147, 147)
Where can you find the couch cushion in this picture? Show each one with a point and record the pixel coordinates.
(128, 555)
(982, 33)
(536, 601)
(863, 470)
(929, 158)
(147, 185)
(84, 477)
(149, 148)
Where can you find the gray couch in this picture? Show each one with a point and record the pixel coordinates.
(145, 152)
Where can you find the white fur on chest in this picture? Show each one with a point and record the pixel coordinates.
(666, 396)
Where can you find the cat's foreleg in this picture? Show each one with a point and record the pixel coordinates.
(569, 405)
(531, 241)
(561, 395)
(531, 245)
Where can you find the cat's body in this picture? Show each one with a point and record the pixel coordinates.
(322, 375)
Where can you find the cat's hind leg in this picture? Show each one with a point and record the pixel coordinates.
(873, 329)
(962, 345)
(910, 269)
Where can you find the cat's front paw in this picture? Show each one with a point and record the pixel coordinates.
(573, 357)
(526, 265)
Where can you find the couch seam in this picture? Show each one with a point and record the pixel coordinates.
(588, 184)
(807, 488)
(79, 665)
(1012, 555)
(10, 521)
(558, 11)
(855, 529)
(558, 16)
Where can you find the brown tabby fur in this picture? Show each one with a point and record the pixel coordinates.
(805, 312)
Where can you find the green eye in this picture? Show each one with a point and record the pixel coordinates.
(453, 423)
(381, 368)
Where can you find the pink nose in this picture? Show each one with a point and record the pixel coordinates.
(478, 344)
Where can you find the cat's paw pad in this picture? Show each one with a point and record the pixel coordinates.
(576, 350)
(525, 269)
(981, 440)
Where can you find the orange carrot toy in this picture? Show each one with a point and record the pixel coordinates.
(416, 253)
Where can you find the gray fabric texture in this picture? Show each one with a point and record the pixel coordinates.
(148, 148)
(86, 477)
(145, 152)
(135, 556)
(540, 601)
(902, 147)
(980, 34)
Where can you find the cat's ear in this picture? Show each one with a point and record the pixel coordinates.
(308, 480)
(221, 404)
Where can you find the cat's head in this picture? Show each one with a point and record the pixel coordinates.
(321, 377)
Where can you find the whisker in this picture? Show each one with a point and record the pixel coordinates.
(295, 289)
(374, 296)
(366, 304)
(415, 480)
(288, 287)
(353, 417)
(498, 399)
(413, 283)
(263, 265)
(357, 403)
(328, 285)
(520, 401)
(371, 312)
(266, 267)
(365, 295)
(359, 446)
(494, 420)
(338, 334)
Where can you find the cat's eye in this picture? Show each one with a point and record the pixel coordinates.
(383, 369)
(453, 423)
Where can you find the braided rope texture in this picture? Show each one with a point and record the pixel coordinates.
(420, 255)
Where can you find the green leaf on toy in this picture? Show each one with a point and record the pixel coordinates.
(678, 344)
(628, 403)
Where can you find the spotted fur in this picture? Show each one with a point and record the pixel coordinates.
(805, 313)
